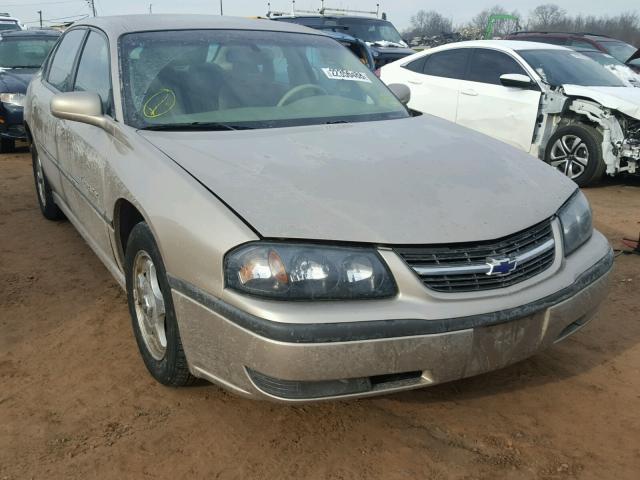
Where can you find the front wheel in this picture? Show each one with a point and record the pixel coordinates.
(151, 307)
(576, 150)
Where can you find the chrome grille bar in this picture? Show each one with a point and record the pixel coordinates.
(482, 267)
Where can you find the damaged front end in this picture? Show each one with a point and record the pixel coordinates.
(620, 132)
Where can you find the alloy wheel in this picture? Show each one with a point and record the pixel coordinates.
(570, 155)
(149, 305)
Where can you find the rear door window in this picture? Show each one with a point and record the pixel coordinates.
(449, 64)
(61, 67)
(487, 66)
(417, 65)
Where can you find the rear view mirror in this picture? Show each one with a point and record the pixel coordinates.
(401, 92)
(516, 80)
(83, 107)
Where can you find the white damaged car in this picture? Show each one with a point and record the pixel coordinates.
(551, 101)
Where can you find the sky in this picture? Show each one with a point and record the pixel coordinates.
(398, 11)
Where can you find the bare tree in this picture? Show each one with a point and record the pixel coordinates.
(547, 16)
(428, 23)
(502, 27)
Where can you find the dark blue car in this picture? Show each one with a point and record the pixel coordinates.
(21, 54)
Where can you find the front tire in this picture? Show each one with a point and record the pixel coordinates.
(49, 209)
(151, 307)
(576, 150)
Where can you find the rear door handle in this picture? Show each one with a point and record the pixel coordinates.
(471, 93)
(414, 82)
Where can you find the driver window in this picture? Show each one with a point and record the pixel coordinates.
(488, 65)
(94, 72)
(61, 68)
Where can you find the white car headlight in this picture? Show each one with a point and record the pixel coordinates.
(308, 272)
(575, 217)
(13, 98)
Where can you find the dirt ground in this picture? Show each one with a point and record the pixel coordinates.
(77, 402)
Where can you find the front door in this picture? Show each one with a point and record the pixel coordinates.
(84, 149)
(484, 104)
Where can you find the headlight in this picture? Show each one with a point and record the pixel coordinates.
(12, 98)
(575, 217)
(308, 272)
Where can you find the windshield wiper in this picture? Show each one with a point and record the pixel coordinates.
(22, 66)
(208, 126)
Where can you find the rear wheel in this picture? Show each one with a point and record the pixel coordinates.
(576, 150)
(151, 308)
(49, 209)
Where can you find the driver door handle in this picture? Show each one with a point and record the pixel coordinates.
(470, 93)
(415, 82)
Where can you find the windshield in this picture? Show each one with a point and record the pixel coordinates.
(619, 69)
(622, 51)
(9, 25)
(24, 52)
(559, 67)
(372, 31)
(247, 79)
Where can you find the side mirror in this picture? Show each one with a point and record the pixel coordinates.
(401, 92)
(83, 107)
(516, 80)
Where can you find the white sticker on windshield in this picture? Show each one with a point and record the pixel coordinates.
(340, 74)
(580, 56)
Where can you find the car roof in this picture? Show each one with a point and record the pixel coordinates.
(504, 45)
(592, 36)
(117, 25)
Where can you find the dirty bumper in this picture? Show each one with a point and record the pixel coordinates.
(263, 359)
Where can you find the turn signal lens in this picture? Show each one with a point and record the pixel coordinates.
(308, 272)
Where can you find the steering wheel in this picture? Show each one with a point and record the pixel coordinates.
(295, 90)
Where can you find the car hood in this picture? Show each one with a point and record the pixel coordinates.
(623, 99)
(419, 180)
(390, 49)
(16, 80)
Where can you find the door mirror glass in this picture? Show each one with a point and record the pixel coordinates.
(83, 107)
(401, 92)
(516, 80)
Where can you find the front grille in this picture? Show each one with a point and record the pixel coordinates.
(464, 267)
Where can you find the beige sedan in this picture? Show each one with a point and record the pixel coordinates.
(285, 227)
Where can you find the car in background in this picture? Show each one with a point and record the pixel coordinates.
(285, 227)
(8, 23)
(21, 55)
(380, 35)
(621, 51)
(550, 101)
(359, 48)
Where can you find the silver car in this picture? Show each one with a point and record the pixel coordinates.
(285, 227)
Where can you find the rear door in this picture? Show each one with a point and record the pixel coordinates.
(55, 79)
(506, 113)
(86, 148)
(435, 81)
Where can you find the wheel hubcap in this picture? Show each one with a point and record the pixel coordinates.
(570, 155)
(40, 181)
(149, 305)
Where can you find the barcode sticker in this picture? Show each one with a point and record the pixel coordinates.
(340, 74)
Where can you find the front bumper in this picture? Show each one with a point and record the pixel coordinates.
(12, 122)
(260, 358)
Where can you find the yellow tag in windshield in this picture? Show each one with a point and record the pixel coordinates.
(159, 103)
